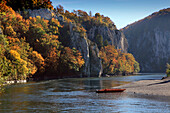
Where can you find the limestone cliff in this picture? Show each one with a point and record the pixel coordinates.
(95, 61)
(81, 44)
(85, 43)
(149, 41)
(113, 36)
(44, 13)
(89, 51)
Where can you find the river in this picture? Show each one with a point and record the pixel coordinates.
(77, 95)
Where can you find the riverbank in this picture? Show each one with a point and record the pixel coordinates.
(13, 82)
(149, 87)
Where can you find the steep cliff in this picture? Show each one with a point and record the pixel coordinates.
(81, 44)
(149, 41)
(113, 36)
(85, 42)
(89, 51)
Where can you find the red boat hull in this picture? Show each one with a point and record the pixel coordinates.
(109, 90)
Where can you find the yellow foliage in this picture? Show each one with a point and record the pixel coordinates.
(14, 54)
(37, 56)
(115, 61)
(10, 31)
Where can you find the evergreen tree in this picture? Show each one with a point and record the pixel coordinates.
(90, 13)
(106, 43)
(168, 70)
(99, 41)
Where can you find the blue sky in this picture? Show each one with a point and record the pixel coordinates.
(121, 12)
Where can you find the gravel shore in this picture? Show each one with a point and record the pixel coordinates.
(149, 87)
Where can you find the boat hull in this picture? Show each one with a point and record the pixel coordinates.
(109, 90)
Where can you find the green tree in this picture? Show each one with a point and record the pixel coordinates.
(99, 41)
(168, 70)
(106, 43)
(136, 67)
(90, 13)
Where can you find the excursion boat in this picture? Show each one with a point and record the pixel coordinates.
(109, 90)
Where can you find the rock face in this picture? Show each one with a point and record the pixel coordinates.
(113, 36)
(81, 44)
(44, 13)
(88, 49)
(149, 41)
(95, 61)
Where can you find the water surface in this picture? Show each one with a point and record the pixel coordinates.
(78, 95)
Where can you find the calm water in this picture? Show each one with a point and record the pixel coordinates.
(78, 95)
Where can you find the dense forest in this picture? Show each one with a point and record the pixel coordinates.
(35, 47)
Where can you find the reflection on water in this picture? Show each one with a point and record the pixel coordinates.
(78, 95)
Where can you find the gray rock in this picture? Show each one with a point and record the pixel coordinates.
(81, 44)
(114, 36)
(44, 13)
(90, 53)
(149, 41)
(95, 61)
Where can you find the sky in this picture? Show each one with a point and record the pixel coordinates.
(121, 12)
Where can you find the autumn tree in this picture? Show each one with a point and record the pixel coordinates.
(97, 15)
(52, 61)
(115, 62)
(71, 60)
(60, 9)
(38, 61)
(54, 26)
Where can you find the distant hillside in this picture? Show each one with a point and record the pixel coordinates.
(149, 41)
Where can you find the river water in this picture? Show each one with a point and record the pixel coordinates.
(79, 96)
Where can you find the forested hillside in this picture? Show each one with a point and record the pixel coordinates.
(31, 47)
(59, 47)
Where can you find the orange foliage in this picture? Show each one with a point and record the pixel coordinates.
(72, 58)
(115, 62)
(52, 60)
(38, 60)
(42, 35)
